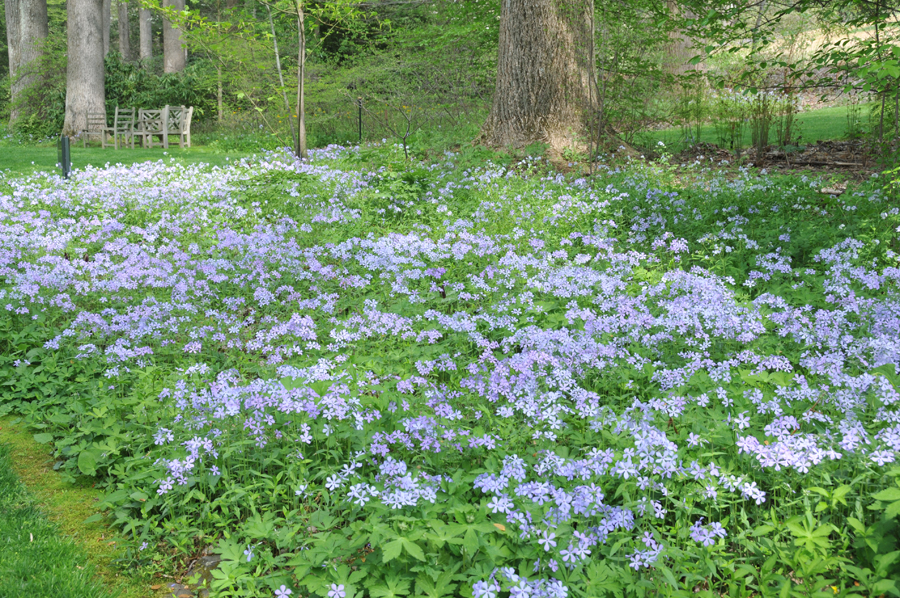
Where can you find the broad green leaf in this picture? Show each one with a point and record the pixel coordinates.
(840, 492)
(884, 586)
(893, 509)
(413, 549)
(857, 525)
(391, 550)
(890, 494)
(87, 462)
(470, 542)
(762, 530)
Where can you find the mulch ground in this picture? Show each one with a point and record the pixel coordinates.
(854, 160)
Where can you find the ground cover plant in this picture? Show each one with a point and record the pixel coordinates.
(363, 376)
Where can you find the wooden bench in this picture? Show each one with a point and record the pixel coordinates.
(150, 123)
(179, 123)
(95, 125)
(170, 120)
(123, 128)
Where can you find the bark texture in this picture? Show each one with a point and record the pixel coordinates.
(85, 90)
(301, 77)
(543, 91)
(681, 49)
(146, 34)
(174, 58)
(26, 22)
(13, 39)
(124, 31)
(107, 24)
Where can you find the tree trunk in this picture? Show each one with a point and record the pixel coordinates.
(107, 24)
(229, 4)
(681, 48)
(146, 34)
(219, 103)
(124, 31)
(12, 35)
(84, 74)
(26, 22)
(543, 75)
(301, 74)
(174, 58)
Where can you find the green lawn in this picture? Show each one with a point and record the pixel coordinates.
(71, 554)
(25, 159)
(815, 125)
(35, 560)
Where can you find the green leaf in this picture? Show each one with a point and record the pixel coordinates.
(840, 492)
(893, 510)
(883, 586)
(762, 530)
(87, 462)
(890, 494)
(884, 561)
(391, 550)
(785, 590)
(857, 525)
(393, 589)
(413, 549)
(43, 438)
(470, 542)
(424, 585)
(60, 418)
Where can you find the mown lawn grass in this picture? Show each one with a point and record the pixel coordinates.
(46, 548)
(25, 159)
(814, 126)
(34, 559)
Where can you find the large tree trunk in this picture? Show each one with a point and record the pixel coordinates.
(12, 34)
(107, 24)
(543, 75)
(681, 48)
(13, 43)
(84, 74)
(146, 34)
(124, 31)
(301, 76)
(174, 58)
(26, 22)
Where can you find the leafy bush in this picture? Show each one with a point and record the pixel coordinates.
(129, 84)
(44, 103)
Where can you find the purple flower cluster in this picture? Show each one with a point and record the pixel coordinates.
(707, 534)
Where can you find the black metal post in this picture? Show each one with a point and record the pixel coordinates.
(359, 105)
(64, 155)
